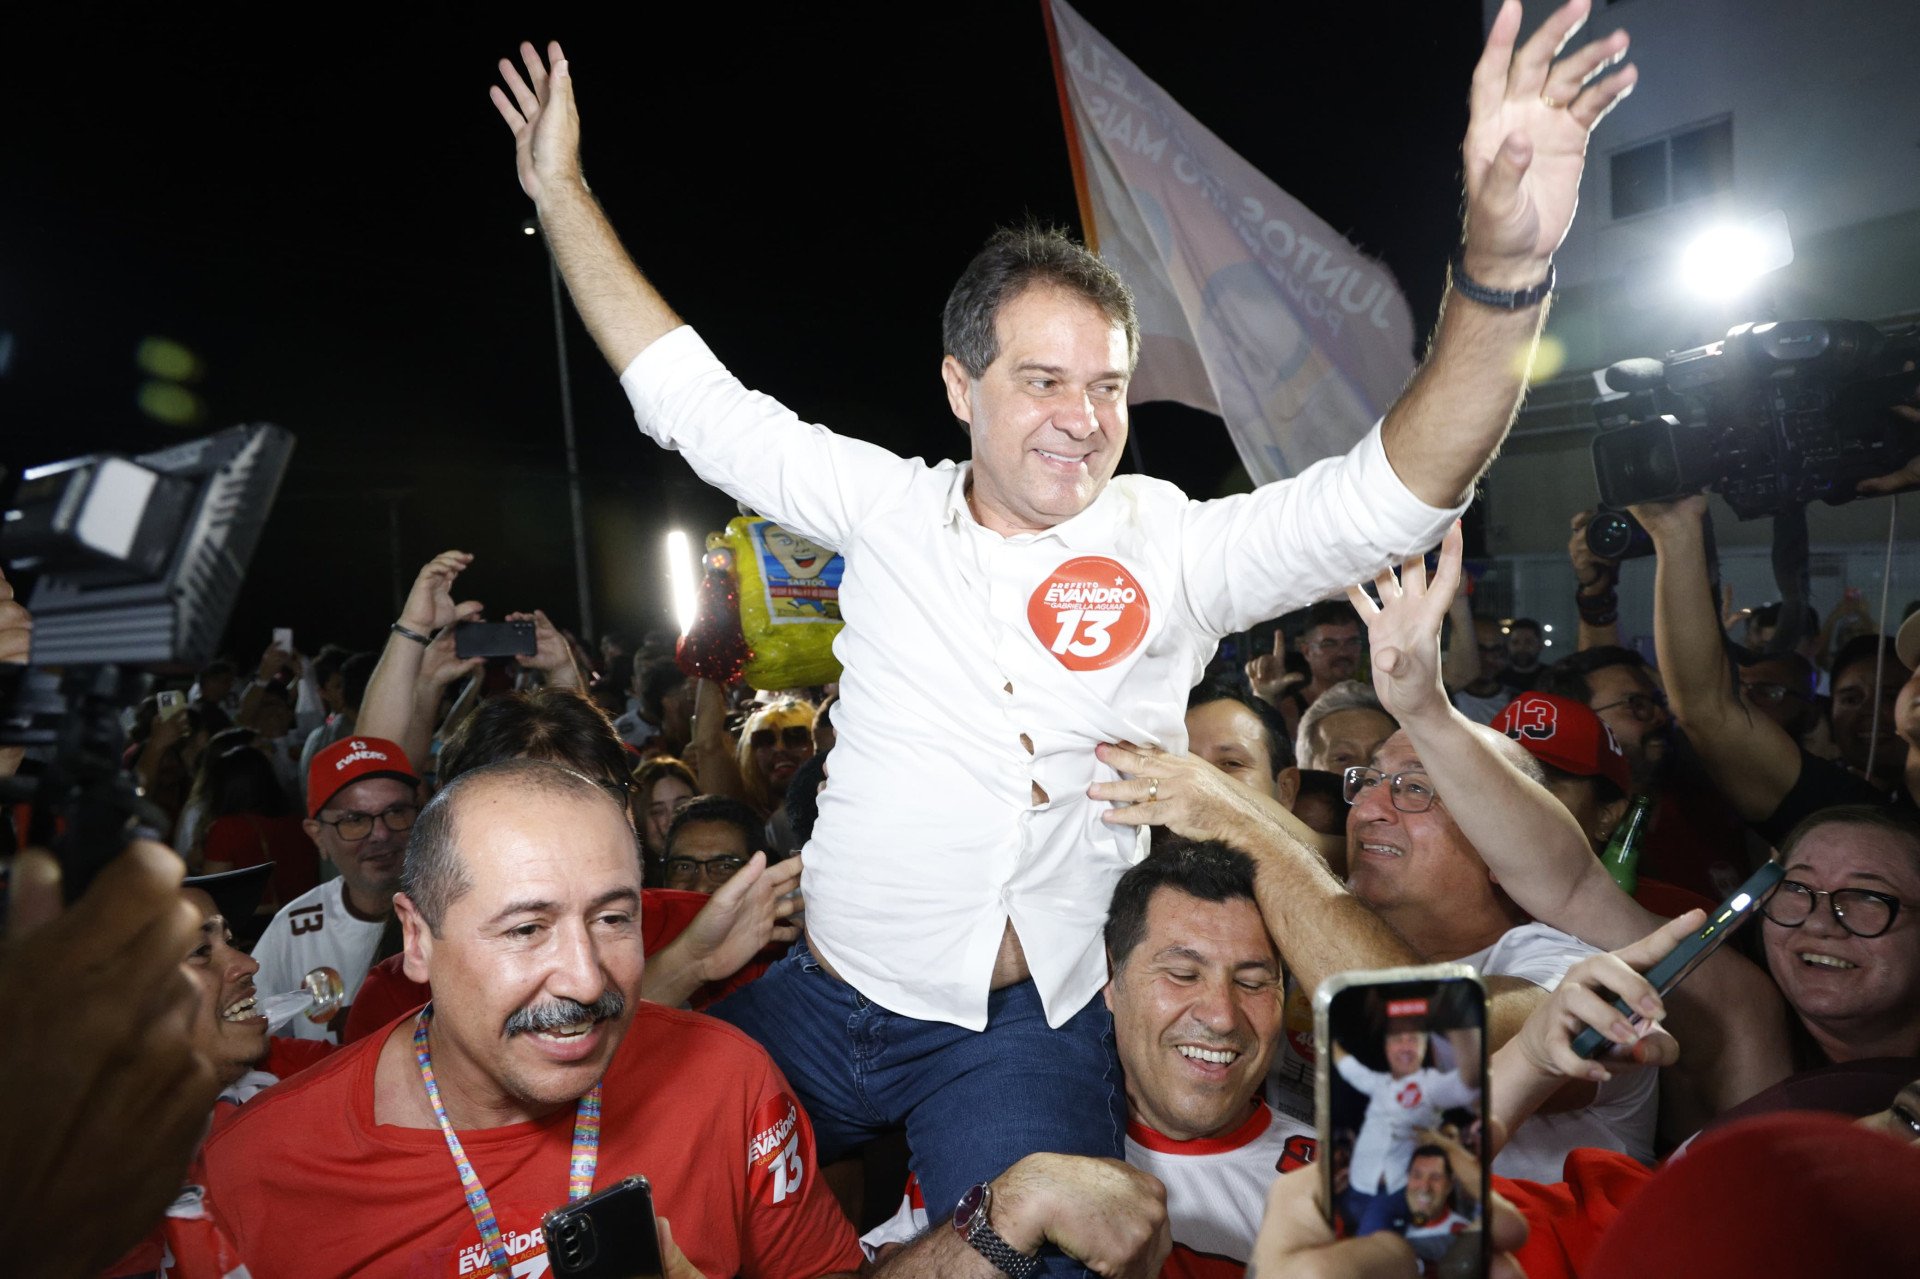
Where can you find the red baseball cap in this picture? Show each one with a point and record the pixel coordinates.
(350, 760)
(1567, 735)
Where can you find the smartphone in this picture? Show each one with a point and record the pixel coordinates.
(169, 702)
(283, 638)
(607, 1235)
(1400, 1082)
(494, 639)
(1691, 953)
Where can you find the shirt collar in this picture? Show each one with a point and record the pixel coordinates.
(1091, 530)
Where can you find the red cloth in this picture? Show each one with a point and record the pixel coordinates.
(1671, 900)
(248, 839)
(689, 1101)
(288, 1057)
(665, 913)
(1692, 835)
(1786, 1194)
(1566, 1220)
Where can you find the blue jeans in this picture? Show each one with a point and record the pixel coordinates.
(973, 1102)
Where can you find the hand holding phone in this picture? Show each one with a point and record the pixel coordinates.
(608, 1235)
(1670, 971)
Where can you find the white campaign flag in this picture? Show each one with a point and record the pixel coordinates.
(1250, 306)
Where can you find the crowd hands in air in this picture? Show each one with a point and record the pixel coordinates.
(574, 852)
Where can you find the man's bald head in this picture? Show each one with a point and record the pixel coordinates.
(1513, 752)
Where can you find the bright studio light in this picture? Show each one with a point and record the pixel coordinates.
(1724, 261)
(680, 575)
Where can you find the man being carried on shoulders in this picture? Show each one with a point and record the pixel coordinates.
(1053, 605)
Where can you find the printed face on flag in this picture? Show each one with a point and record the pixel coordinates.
(1048, 418)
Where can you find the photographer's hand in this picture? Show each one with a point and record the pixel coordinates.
(103, 1093)
(16, 643)
(391, 706)
(1908, 476)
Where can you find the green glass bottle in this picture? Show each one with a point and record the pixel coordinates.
(1622, 858)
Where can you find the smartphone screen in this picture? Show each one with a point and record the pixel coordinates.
(1402, 1092)
(283, 638)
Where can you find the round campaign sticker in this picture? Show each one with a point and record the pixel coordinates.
(1089, 612)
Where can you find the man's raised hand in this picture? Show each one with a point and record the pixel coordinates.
(430, 603)
(540, 111)
(1526, 139)
(1403, 629)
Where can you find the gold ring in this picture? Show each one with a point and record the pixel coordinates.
(1551, 104)
(1153, 789)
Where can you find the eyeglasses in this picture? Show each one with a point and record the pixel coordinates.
(1767, 694)
(715, 870)
(1642, 706)
(1860, 911)
(793, 737)
(1335, 645)
(1410, 792)
(354, 827)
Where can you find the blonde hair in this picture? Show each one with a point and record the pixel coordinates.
(785, 713)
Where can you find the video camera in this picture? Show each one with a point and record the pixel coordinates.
(134, 564)
(1772, 417)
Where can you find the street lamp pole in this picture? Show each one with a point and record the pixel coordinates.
(587, 629)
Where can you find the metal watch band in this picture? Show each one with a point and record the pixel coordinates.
(1000, 1254)
(1504, 299)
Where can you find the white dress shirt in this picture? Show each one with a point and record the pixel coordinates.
(929, 841)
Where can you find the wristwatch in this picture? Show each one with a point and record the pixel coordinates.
(970, 1223)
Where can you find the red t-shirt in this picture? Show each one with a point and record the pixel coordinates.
(248, 839)
(665, 913)
(1566, 1220)
(689, 1102)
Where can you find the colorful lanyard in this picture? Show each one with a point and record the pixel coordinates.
(586, 1152)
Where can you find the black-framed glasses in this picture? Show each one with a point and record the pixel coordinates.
(1861, 911)
(1642, 706)
(1336, 645)
(354, 827)
(1410, 792)
(793, 737)
(1761, 693)
(715, 870)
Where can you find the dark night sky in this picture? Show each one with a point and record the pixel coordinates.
(322, 206)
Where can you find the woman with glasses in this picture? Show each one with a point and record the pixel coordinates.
(1842, 934)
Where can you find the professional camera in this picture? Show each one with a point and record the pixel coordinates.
(1771, 418)
(128, 564)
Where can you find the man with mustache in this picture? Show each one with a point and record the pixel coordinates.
(534, 1075)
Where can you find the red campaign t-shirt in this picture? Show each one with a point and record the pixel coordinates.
(1566, 1220)
(665, 913)
(307, 1184)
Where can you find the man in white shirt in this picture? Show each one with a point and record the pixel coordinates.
(1052, 606)
(1402, 1101)
(362, 798)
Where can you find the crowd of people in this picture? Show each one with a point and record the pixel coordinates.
(1070, 882)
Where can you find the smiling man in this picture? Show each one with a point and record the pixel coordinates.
(362, 796)
(1007, 614)
(537, 1069)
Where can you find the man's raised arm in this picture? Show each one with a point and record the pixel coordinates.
(622, 311)
(1750, 758)
(1525, 147)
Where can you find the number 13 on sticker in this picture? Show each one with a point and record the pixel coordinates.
(1089, 613)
